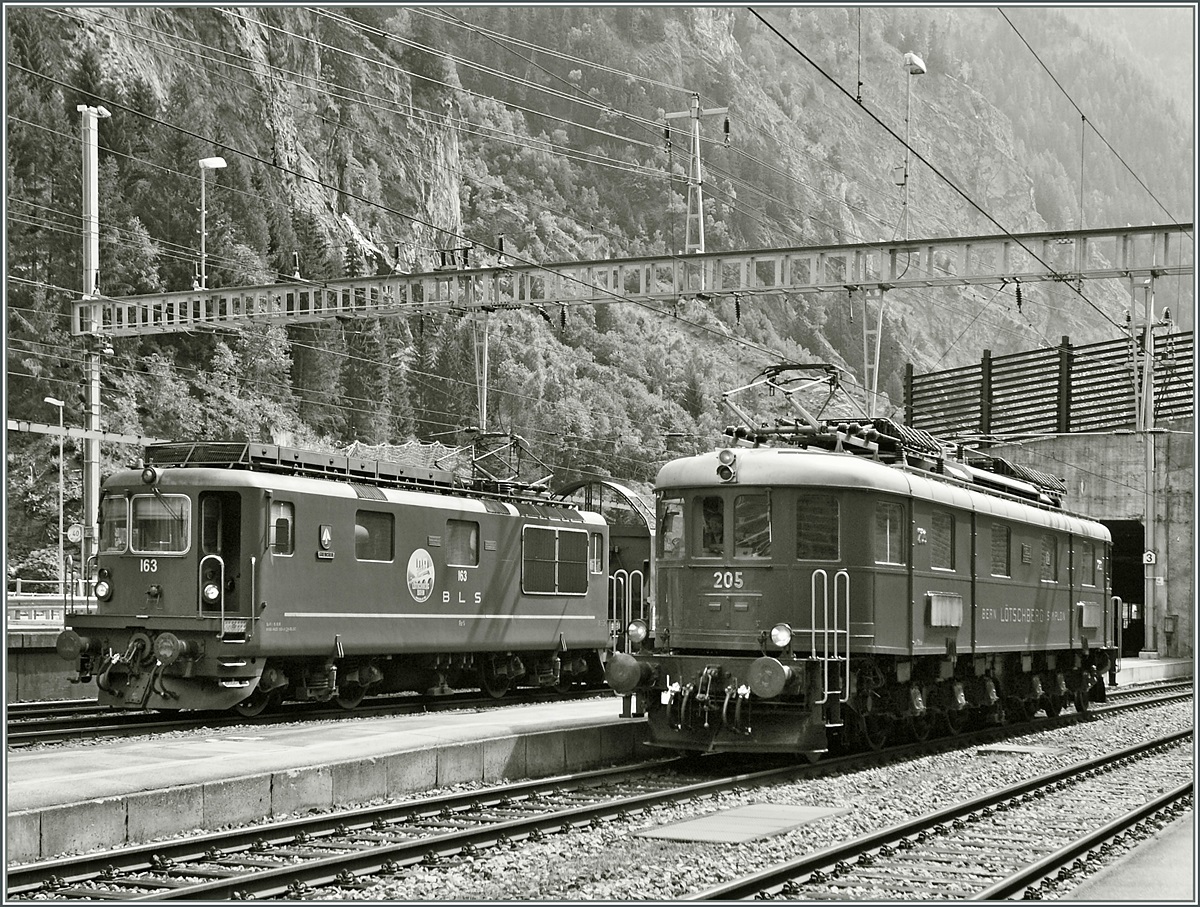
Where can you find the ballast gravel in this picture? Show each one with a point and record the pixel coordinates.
(613, 863)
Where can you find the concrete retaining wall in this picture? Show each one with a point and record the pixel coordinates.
(35, 672)
(1105, 477)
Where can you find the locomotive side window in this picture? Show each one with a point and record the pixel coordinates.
(1001, 550)
(670, 527)
(596, 554)
(554, 561)
(114, 524)
(462, 543)
(817, 527)
(889, 533)
(374, 535)
(751, 526)
(712, 527)
(1087, 563)
(572, 562)
(161, 523)
(941, 541)
(283, 527)
(1049, 561)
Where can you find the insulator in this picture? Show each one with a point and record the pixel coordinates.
(562, 317)
(726, 130)
(1018, 297)
(737, 308)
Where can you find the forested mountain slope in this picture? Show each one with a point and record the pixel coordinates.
(353, 132)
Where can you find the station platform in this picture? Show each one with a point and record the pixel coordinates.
(75, 799)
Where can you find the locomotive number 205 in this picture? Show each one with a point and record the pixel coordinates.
(727, 579)
(149, 564)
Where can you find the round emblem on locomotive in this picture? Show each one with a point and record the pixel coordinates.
(420, 575)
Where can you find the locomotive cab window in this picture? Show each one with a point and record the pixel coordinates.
(374, 535)
(818, 527)
(712, 526)
(941, 541)
(283, 527)
(751, 526)
(220, 523)
(161, 523)
(114, 524)
(889, 533)
(670, 528)
(462, 543)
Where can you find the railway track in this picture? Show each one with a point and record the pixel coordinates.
(46, 722)
(989, 848)
(354, 848)
(31, 723)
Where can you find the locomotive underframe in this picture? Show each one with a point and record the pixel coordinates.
(215, 674)
(704, 702)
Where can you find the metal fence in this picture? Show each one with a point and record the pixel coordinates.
(1063, 389)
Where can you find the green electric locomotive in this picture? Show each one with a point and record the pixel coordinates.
(235, 575)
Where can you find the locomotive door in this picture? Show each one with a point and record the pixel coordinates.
(891, 553)
(220, 569)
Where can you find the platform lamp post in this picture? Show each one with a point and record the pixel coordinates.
(206, 164)
(914, 66)
(62, 573)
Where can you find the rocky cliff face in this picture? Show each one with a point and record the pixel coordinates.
(364, 110)
(256, 70)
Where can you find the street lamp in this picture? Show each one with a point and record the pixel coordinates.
(206, 164)
(914, 66)
(53, 401)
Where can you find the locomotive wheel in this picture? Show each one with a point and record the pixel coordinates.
(1017, 709)
(1081, 701)
(351, 696)
(918, 726)
(1053, 705)
(492, 683)
(875, 728)
(956, 720)
(564, 686)
(256, 703)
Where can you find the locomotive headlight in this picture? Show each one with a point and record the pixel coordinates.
(103, 587)
(727, 461)
(638, 631)
(211, 592)
(781, 635)
(103, 590)
(169, 648)
(149, 475)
